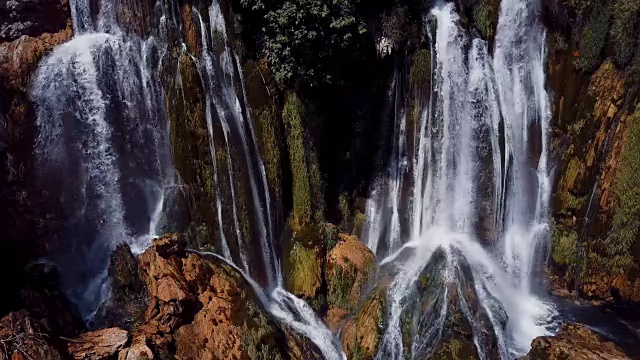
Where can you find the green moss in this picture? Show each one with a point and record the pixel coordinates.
(626, 187)
(305, 271)
(420, 73)
(331, 235)
(271, 146)
(308, 206)
(564, 249)
(485, 17)
(360, 219)
(258, 341)
(341, 281)
(573, 172)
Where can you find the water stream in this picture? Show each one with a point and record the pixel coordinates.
(479, 104)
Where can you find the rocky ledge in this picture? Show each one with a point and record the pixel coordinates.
(196, 308)
(575, 342)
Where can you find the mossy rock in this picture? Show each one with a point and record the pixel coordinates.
(456, 348)
(305, 271)
(361, 336)
(350, 265)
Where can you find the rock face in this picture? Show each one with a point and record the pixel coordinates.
(362, 335)
(205, 309)
(349, 266)
(574, 342)
(24, 337)
(98, 345)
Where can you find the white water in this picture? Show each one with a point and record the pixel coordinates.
(473, 94)
(102, 131)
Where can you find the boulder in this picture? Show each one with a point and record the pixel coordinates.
(98, 345)
(575, 342)
(361, 336)
(348, 268)
(137, 351)
(203, 308)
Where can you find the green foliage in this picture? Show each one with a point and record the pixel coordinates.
(307, 195)
(624, 29)
(345, 209)
(260, 330)
(341, 282)
(626, 187)
(564, 249)
(197, 236)
(485, 17)
(301, 37)
(305, 270)
(593, 39)
(271, 145)
(420, 73)
(360, 219)
(331, 235)
(398, 26)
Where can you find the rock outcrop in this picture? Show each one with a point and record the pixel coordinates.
(98, 345)
(576, 342)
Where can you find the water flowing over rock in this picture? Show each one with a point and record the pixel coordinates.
(482, 131)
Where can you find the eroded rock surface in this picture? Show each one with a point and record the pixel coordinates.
(575, 342)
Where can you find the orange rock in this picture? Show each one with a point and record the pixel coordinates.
(98, 345)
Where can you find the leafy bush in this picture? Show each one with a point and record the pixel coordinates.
(564, 249)
(624, 29)
(593, 40)
(626, 187)
(398, 26)
(303, 38)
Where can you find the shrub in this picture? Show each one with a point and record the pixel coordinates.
(301, 38)
(593, 40)
(564, 249)
(398, 26)
(485, 17)
(624, 29)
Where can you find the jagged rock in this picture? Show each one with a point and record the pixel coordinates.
(24, 17)
(23, 337)
(576, 342)
(202, 308)
(98, 345)
(349, 266)
(137, 351)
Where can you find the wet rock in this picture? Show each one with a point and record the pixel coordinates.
(32, 18)
(361, 336)
(576, 342)
(98, 345)
(349, 266)
(24, 337)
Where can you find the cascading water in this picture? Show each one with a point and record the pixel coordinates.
(102, 118)
(102, 125)
(477, 105)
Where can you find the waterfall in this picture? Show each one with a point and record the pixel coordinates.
(103, 137)
(479, 104)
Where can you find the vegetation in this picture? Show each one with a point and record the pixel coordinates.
(331, 235)
(624, 29)
(305, 267)
(308, 205)
(271, 146)
(420, 73)
(564, 249)
(302, 39)
(485, 17)
(398, 25)
(342, 280)
(593, 39)
(626, 187)
(260, 330)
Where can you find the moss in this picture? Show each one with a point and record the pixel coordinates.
(341, 282)
(485, 17)
(420, 73)
(331, 235)
(259, 339)
(626, 187)
(360, 219)
(305, 271)
(307, 195)
(573, 173)
(564, 249)
(271, 146)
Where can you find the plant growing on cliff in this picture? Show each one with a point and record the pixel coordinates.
(593, 39)
(420, 73)
(626, 187)
(304, 38)
(485, 16)
(308, 206)
(624, 29)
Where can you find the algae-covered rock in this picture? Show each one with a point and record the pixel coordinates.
(305, 275)
(361, 336)
(349, 266)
